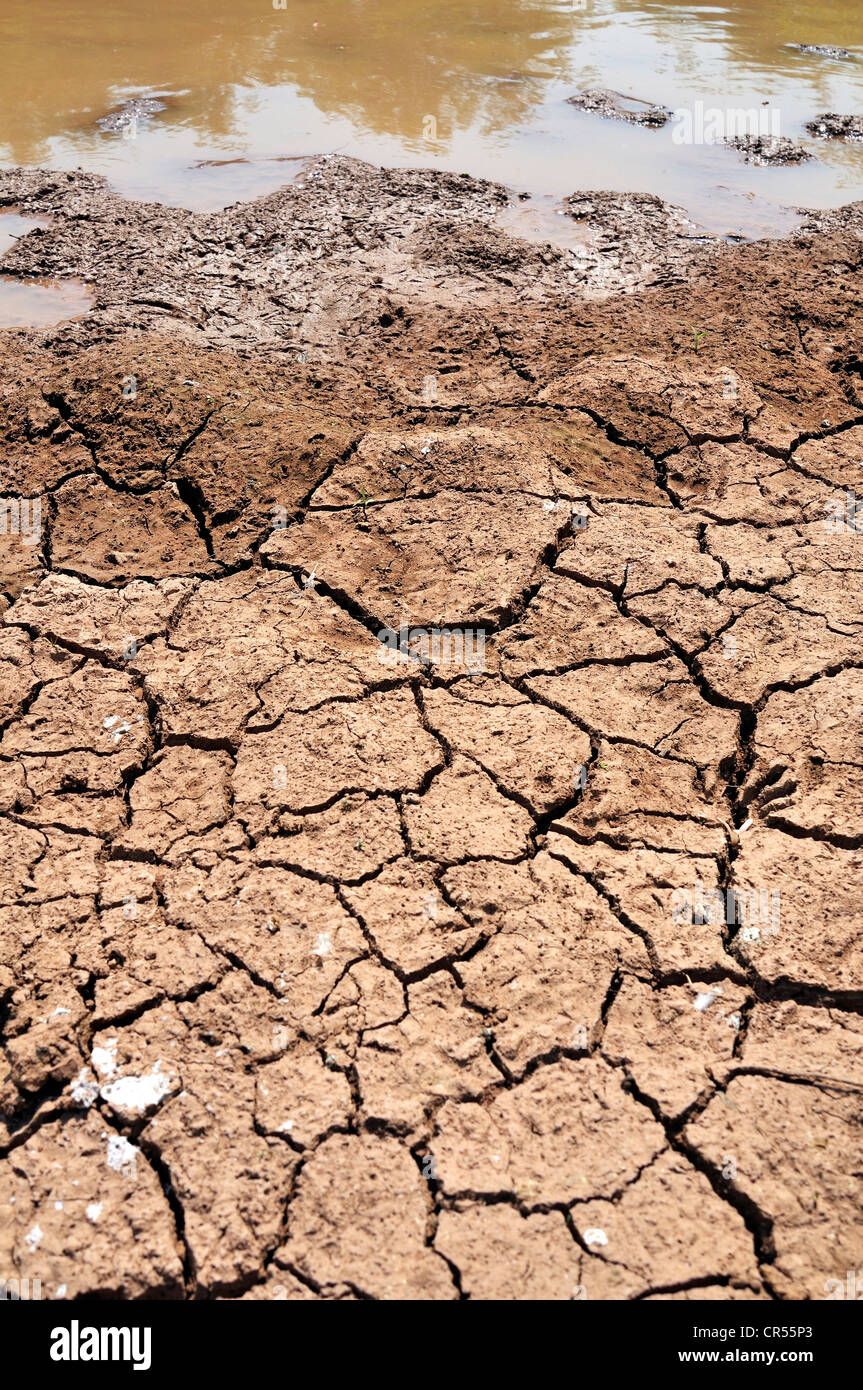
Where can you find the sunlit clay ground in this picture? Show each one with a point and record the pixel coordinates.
(431, 603)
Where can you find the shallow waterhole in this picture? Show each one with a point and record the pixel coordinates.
(35, 303)
(232, 89)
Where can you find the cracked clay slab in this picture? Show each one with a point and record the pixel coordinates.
(336, 972)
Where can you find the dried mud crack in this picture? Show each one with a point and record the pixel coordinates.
(430, 751)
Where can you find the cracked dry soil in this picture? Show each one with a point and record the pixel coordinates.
(329, 976)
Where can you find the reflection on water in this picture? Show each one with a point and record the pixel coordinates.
(13, 226)
(541, 220)
(41, 303)
(476, 85)
(36, 303)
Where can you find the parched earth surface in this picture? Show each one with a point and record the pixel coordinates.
(517, 955)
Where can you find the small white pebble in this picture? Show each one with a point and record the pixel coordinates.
(33, 1237)
(104, 1059)
(84, 1089)
(594, 1236)
(704, 1000)
(122, 1156)
(137, 1093)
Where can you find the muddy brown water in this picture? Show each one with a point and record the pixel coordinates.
(41, 303)
(36, 303)
(252, 86)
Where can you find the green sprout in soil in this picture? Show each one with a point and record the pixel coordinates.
(362, 501)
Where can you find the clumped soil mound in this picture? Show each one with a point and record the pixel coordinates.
(834, 127)
(524, 962)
